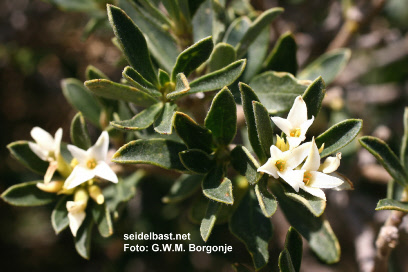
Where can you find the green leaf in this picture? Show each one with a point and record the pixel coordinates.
(142, 120)
(209, 219)
(255, 29)
(81, 99)
(237, 30)
(245, 164)
(155, 13)
(133, 43)
(75, 5)
(218, 79)
(222, 117)
(328, 65)
(277, 90)
(285, 262)
(194, 5)
(192, 57)
(222, 55)
(27, 194)
(197, 161)
(293, 244)
(92, 72)
(263, 125)
(164, 77)
(164, 123)
(202, 21)
(386, 158)
(313, 97)
(247, 98)
(182, 87)
(392, 204)
(216, 187)
(192, 134)
(22, 152)
(159, 152)
(316, 230)
(59, 216)
(339, 136)
(266, 200)
(283, 56)
(113, 90)
(138, 81)
(314, 204)
(83, 238)
(182, 188)
(404, 145)
(161, 43)
(250, 226)
(79, 132)
(102, 219)
(123, 191)
(256, 54)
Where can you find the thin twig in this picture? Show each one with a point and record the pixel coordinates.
(356, 18)
(387, 239)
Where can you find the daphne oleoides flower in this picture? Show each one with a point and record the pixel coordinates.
(90, 163)
(281, 164)
(76, 210)
(296, 124)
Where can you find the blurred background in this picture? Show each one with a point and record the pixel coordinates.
(41, 44)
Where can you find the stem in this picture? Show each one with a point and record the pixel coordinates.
(356, 18)
(387, 239)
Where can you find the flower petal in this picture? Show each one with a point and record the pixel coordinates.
(50, 171)
(78, 176)
(75, 221)
(41, 153)
(100, 149)
(79, 154)
(320, 180)
(298, 113)
(283, 124)
(43, 138)
(295, 141)
(103, 170)
(57, 142)
(293, 177)
(276, 153)
(331, 164)
(269, 168)
(305, 126)
(295, 156)
(312, 162)
(315, 191)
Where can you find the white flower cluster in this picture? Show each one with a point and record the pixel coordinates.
(287, 159)
(86, 165)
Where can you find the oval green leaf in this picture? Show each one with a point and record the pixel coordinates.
(27, 194)
(22, 152)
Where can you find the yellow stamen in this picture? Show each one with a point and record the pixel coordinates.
(306, 178)
(280, 164)
(91, 164)
(295, 132)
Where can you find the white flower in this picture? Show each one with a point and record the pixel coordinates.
(91, 163)
(312, 180)
(281, 164)
(46, 147)
(76, 210)
(296, 125)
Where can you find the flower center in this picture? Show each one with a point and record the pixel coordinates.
(91, 164)
(306, 178)
(295, 132)
(280, 164)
